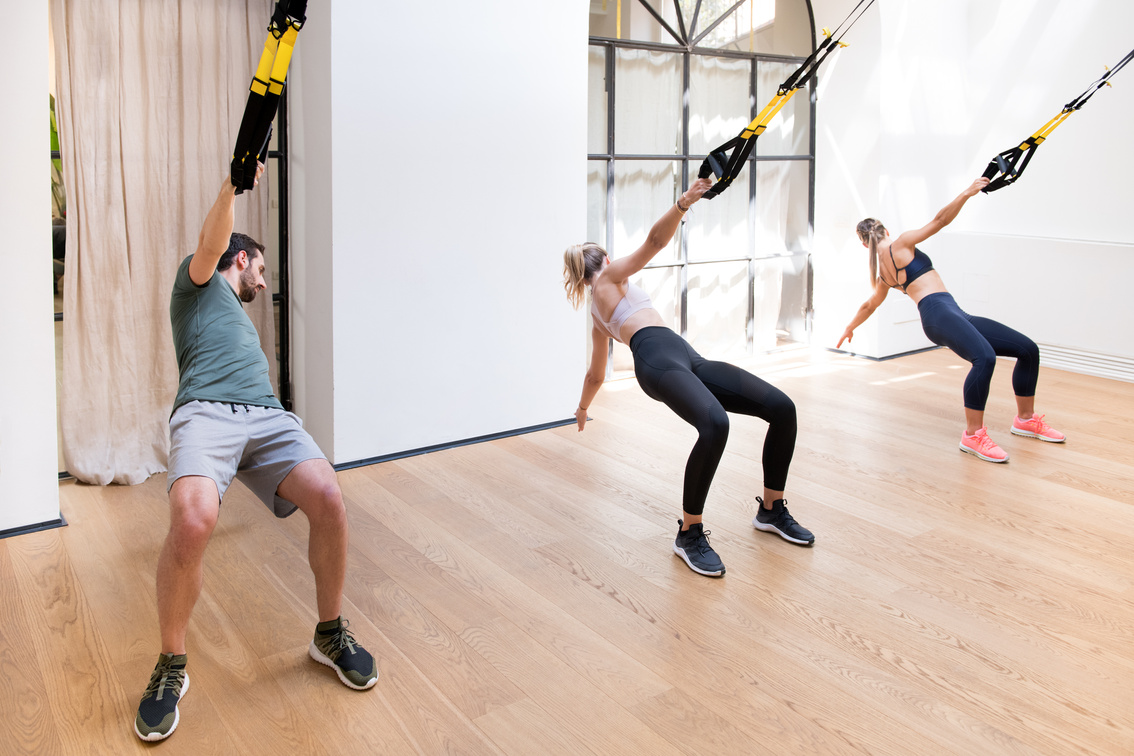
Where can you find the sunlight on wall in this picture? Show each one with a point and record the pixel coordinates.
(847, 173)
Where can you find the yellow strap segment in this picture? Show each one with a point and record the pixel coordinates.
(761, 121)
(1047, 128)
(283, 59)
(264, 67)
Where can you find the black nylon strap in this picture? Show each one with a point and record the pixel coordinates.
(255, 129)
(726, 167)
(1007, 167)
(1098, 84)
(1010, 164)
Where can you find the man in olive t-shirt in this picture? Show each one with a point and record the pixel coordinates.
(227, 422)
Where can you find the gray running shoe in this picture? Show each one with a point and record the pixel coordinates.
(692, 545)
(336, 647)
(779, 521)
(157, 713)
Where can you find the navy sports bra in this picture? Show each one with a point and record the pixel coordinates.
(917, 267)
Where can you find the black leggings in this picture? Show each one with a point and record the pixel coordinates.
(700, 391)
(979, 341)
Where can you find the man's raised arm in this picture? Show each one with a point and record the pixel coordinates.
(216, 231)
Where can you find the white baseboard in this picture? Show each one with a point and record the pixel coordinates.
(1087, 362)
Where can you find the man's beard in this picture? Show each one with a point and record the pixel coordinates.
(248, 288)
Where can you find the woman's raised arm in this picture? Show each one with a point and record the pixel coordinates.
(945, 216)
(659, 236)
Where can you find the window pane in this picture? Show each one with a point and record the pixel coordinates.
(710, 11)
(781, 207)
(719, 101)
(643, 190)
(718, 307)
(596, 101)
(789, 132)
(647, 113)
(596, 201)
(663, 286)
(780, 289)
(718, 228)
(636, 22)
(741, 29)
(603, 18)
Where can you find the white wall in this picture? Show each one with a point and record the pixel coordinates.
(1050, 255)
(1088, 330)
(443, 177)
(848, 173)
(29, 487)
(312, 230)
(912, 112)
(1077, 186)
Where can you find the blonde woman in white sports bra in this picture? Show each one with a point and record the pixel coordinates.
(700, 391)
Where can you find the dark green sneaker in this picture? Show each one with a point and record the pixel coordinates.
(336, 647)
(157, 713)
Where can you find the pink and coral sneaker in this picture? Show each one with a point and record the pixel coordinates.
(981, 445)
(1035, 427)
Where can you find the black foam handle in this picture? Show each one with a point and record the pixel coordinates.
(236, 173)
(249, 181)
(714, 166)
(718, 187)
(998, 165)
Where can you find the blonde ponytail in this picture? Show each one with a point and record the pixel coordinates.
(580, 263)
(870, 232)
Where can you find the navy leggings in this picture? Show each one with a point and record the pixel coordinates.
(979, 341)
(701, 391)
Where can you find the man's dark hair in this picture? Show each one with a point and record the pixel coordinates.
(238, 242)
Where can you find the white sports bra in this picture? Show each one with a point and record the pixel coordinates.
(635, 300)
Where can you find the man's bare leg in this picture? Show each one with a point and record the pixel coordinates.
(194, 508)
(314, 488)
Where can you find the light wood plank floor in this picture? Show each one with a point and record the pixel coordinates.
(522, 596)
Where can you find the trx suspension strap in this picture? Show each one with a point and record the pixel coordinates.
(1011, 163)
(726, 167)
(264, 93)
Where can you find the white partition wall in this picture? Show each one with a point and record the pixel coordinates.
(912, 112)
(1050, 255)
(29, 489)
(440, 155)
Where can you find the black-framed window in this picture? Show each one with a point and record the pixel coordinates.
(684, 78)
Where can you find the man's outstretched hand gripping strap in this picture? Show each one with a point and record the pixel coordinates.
(264, 92)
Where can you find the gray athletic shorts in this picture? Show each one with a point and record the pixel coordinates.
(261, 445)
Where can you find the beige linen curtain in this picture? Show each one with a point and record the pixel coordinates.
(150, 95)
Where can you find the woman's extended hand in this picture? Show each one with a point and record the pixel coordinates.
(696, 190)
(581, 417)
(847, 336)
(976, 186)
